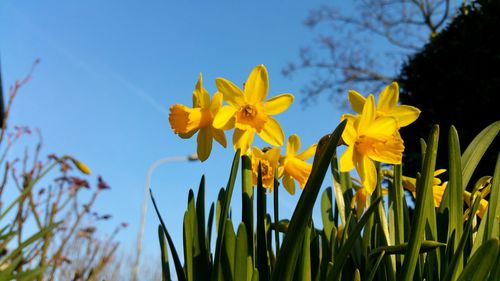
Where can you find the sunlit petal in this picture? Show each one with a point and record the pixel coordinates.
(308, 153)
(219, 136)
(382, 127)
(367, 116)
(292, 145)
(224, 116)
(216, 103)
(389, 151)
(202, 98)
(357, 101)
(242, 139)
(346, 160)
(232, 94)
(388, 98)
(257, 85)
(405, 114)
(298, 169)
(204, 141)
(368, 173)
(272, 132)
(278, 104)
(349, 135)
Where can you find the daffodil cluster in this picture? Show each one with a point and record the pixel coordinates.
(373, 135)
(247, 112)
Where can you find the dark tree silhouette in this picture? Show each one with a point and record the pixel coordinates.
(455, 80)
(363, 49)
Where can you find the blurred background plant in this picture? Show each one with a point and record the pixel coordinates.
(48, 226)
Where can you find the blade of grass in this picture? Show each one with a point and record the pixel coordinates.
(424, 186)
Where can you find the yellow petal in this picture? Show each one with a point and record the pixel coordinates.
(278, 104)
(219, 136)
(308, 153)
(201, 98)
(405, 114)
(224, 116)
(346, 160)
(357, 101)
(273, 155)
(389, 151)
(232, 94)
(438, 192)
(349, 135)
(272, 132)
(298, 169)
(184, 119)
(216, 103)
(368, 173)
(292, 145)
(382, 127)
(257, 85)
(289, 184)
(204, 144)
(388, 98)
(242, 139)
(367, 116)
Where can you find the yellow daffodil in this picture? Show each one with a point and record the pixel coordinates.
(483, 204)
(187, 121)
(370, 139)
(249, 113)
(438, 187)
(293, 165)
(387, 105)
(269, 162)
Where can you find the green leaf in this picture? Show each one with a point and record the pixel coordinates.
(224, 214)
(341, 257)
(476, 150)
(375, 267)
(188, 246)
(202, 262)
(291, 246)
(177, 263)
(242, 255)
(304, 262)
(424, 187)
(481, 263)
(401, 249)
(493, 215)
(262, 259)
(327, 212)
(454, 268)
(455, 190)
(229, 254)
(164, 255)
(247, 201)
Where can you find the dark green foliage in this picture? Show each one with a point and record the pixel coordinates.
(455, 80)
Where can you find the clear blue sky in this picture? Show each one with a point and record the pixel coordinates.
(111, 69)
